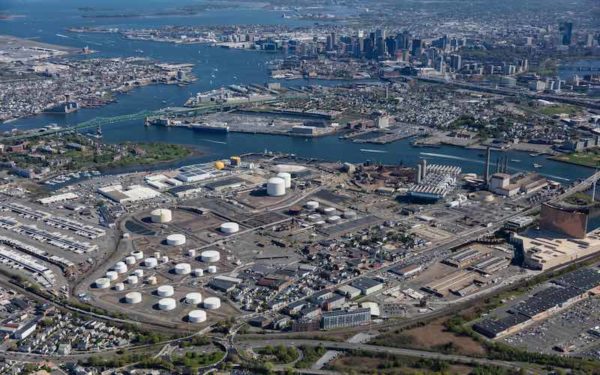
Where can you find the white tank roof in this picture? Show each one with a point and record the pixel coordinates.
(167, 304)
(229, 227)
(193, 298)
(138, 254)
(133, 297)
(112, 275)
(176, 239)
(197, 316)
(102, 283)
(150, 262)
(165, 291)
(210, 256)
(212, 303)
(183, 268)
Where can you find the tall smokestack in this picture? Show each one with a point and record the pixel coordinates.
(486, 175)
(419, 173)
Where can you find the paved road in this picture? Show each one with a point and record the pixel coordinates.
(334, 345)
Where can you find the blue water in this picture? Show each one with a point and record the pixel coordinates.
(44, 19)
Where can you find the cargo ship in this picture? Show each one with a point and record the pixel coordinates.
(216, 128)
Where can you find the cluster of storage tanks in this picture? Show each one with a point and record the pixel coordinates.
(322, 215)
(276, 186)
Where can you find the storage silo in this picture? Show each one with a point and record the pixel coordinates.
(287, 178)
(176, 240)
(312, 205)
(197, 316)
(167, 304)
(120, 267)
(119, 287)
(183, 268)
(165, 291)
(112, 275)
(139, 273)
(138, 255)
(193, 298)
(212, 269)
(132, 280)
(229, 228)
(150, 262)
(198, 272)
(210, 256)
(130, 260)
(276, 187)
(212, 303)
(133, 297)
(161, 215)
(102, 283)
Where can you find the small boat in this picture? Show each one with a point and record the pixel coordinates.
(536, 165)
(515, 160)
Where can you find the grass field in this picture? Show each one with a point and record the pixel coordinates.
(588, 158)
(552, 110)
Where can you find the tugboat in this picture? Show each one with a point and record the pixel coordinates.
(536, 165)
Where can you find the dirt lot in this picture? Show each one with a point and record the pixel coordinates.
(432, 336)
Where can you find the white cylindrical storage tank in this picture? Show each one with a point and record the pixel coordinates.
(276, 186)
(192, 252)
(333, 219)
(164, 259)
(312, 205)
(139, 273)
(119, 287)
(349, 214)
(287, 178)
(151, 280)
(198, 272)
(132, 280)
(314, 217)
(157, 254)
(212, 303)
(183, 268)
(320, 223)
(102, 283)
(212, 269)
(133, 297)
(197, 316)
(130, 260)
(329, 211)
(120, 267)
(165, 291)
(176, 239)
(210, 256)
(193, 298)
(167, 304)
(161, 215)
(138, 255)
(229, 228)
(112, 275)
(150, 262)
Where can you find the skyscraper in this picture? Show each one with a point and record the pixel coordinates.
(566, 32)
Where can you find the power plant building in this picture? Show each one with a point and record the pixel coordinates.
(340, 319)
(434, 182)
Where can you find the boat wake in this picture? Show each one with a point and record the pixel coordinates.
(450, 157)
(211, 141)
(374, 151)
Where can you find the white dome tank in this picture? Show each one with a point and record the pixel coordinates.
(191, 252)
(212, 303)
(198, 272)
(102, 283)
(287, 178)
(133, 297)
(329, 211)
(165, 291)
(161, 215)
(210, 256)
(183, 268)
(139, 273)
(138, 255)
(314, 217)
(112, 275)
(167, 304)
(193, 298)
(197, 316)
(150, 262)
(120, 267)
(212, 269)
(229, 228)
(176, 239)
(132, 280)
(130, 260)
(276, 187)
(349, 214)
(119, 287)
(333, 219)
(312, 205)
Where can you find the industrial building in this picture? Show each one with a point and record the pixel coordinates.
(367, 286)
(569, 289)
(340, 319)
(433, 182)
(506, 185)
(132, 193)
